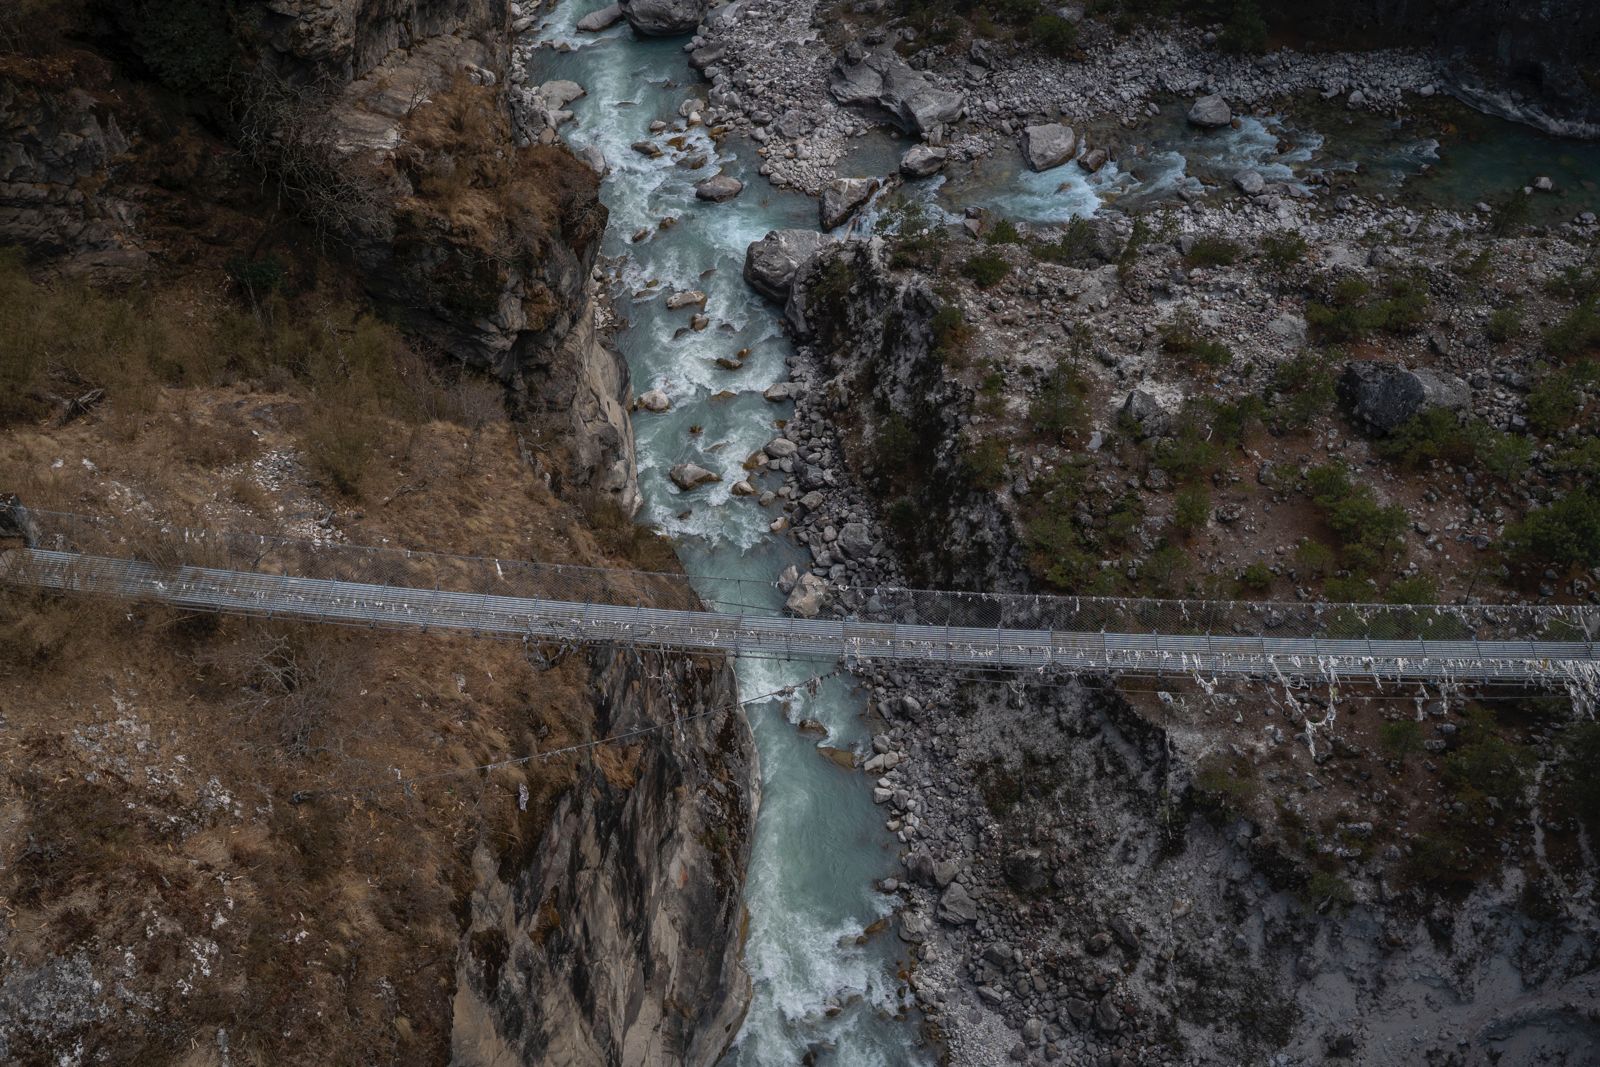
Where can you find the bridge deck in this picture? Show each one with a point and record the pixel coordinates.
(382, 606)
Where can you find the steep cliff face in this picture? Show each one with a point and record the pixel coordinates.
(881, 340)
(617, 941)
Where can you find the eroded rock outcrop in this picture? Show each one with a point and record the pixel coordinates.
(616, 941)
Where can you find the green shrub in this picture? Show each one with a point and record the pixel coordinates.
(1256, 579)
(340, 440)
(1053, 35)
(1283, 249)
(986, 269)
(1563, 534)
(188, 44)
(1581, 755)
(1354, 309)
(1438, 434)
(1400, 738)
(1511, 213)
(1181, 337)
(1191, 509)
(1325, 890)
(1486, 765)
(985, 463)
(1577, 333)
(1371, 535)
(1245, 31)
(1211, 250)
(1314, 557)
(1060, 406)
(1504, 324)
(1074, 247)
(951, 333)
(1418, 589)
(1004, 232)
(1307, 381)
(1228, 784)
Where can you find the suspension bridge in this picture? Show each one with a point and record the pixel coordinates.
(391, 588)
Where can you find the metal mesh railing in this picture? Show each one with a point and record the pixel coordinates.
(170, 546)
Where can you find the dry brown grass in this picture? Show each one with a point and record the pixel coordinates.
(150, 758)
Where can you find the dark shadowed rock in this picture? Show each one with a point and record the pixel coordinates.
(956, 906)
(771, 263)
(842, 198)
(664, 18)
(1383, 396)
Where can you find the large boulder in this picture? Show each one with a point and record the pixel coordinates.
(687, 476)
(1211, 113)
(883, 83)
(719, 188)
(923, 161)
(1143, 414)
(1383, 396)
(602, 19)
(855, 540)
(808, 597)
(771, 263)
(664, 18)
(842, 198)
(957, 907)
(1049, 145)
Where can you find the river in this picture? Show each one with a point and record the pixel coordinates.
(820, 843)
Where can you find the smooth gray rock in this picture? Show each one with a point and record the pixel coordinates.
(883, 83)
(664, 18)
(1048, 145)
(923, 161)
(719, 188)
(842, 198)
(956, 906)
(603, 19)
(654, 400)
(1210, 113)
(1250, 182)
(687, 476)
(1383, 396)
(771, 263)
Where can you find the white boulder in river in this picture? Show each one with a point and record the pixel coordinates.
(923, 161)
(687, 476)
(603, 19)
(771, 263)
(883, 82)
(664, 18)
(655, 400)
(1049, 145)
(1211, 113)
(719, 188)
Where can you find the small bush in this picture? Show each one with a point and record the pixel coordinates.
(1053, 35)
(1371, 535)
(1511, 213)
(1400, 738)
(1419, 589)
(1060, 406)
(986, 269)
(1315, 558)
(1557, 400)
(1581, 748)
(1182, 338)
(1307, 381)
(340, 442)
(951, 333)
(1212, 251)
(1191, 509)
(1283, 249)
(985, 463)
(1003, 232)
(1256, 579)
(1354, 309)
(1564, 534)
(1504, 324)
(1577, 333)
(1075, 247)
(1439, 434)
